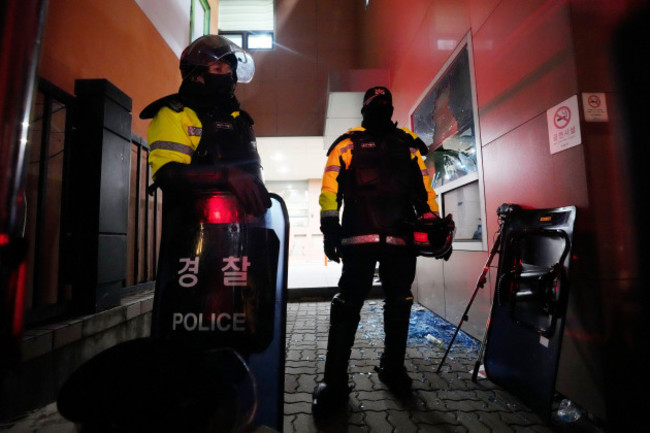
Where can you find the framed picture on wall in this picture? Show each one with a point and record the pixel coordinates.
(445, 118)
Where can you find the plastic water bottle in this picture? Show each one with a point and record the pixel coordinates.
(435, 341)
(568, 412)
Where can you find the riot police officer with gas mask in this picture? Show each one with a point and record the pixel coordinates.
(200, 141)
(199, 137)
(376, 173)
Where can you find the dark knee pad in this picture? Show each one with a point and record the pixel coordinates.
(344, 310)
(398, 305)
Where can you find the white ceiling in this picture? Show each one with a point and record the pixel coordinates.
(301, 158)
(292, 158)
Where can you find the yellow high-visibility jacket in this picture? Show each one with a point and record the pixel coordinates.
(173, 136)
(176, 130)
(340, 159)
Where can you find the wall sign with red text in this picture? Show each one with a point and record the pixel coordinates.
(594, 106)
(564, 125)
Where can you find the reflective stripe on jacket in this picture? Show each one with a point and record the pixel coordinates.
(173, 136)
(340, 158)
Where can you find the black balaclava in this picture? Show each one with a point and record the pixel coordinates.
(377, 111)
(217, 90)
(223, 85)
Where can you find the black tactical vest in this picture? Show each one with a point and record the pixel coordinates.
(378, 187)
(227, 139)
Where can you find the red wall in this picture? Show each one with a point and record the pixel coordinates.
(528, 56)
(523, 60)
(526, 59)
(95, 39)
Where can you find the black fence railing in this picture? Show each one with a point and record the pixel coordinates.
(49, 294)
(145, 213)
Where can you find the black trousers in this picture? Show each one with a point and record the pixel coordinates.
(396, 272)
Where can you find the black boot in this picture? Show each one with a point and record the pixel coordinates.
(332, 393)
(396, 326)
(395, 378)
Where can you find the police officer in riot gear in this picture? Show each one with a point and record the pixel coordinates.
(377, 173)
(202, 126)
(201, 140)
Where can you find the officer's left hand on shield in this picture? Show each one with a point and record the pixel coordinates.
(249, 191)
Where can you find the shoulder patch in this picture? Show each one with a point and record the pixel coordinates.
(350, 134)
(194, 131)
(171, 101)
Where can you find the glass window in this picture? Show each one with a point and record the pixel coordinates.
(251, 21)
(465, 205)
(236, 38)
(446, 120)
(260, 41)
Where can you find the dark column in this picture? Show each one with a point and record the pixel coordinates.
(100, 193)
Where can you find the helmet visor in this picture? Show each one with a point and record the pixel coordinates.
(245, 66)
(210, 48)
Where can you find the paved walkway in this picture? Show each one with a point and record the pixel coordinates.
(448, 402)
(445, 402)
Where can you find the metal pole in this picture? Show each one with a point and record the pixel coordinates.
(479, 285)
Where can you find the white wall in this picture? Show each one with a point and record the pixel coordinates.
(172, 20)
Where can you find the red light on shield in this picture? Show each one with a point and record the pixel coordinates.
(218, 209)
(421, 238)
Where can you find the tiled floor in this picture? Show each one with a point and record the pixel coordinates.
(445, 402)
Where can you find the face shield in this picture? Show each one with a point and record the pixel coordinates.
(210, 48)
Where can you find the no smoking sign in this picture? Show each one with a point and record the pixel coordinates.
(564, 125)
(595, 107)
(562, 117)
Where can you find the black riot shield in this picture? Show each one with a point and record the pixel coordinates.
(160, 385)
(222, 278)
(526, 324)
(218, 272)
(268, 366)
(215, 361)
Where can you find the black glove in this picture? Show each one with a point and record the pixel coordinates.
(449, 227)
(250, 191)
(179, 178)
(331, 237)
